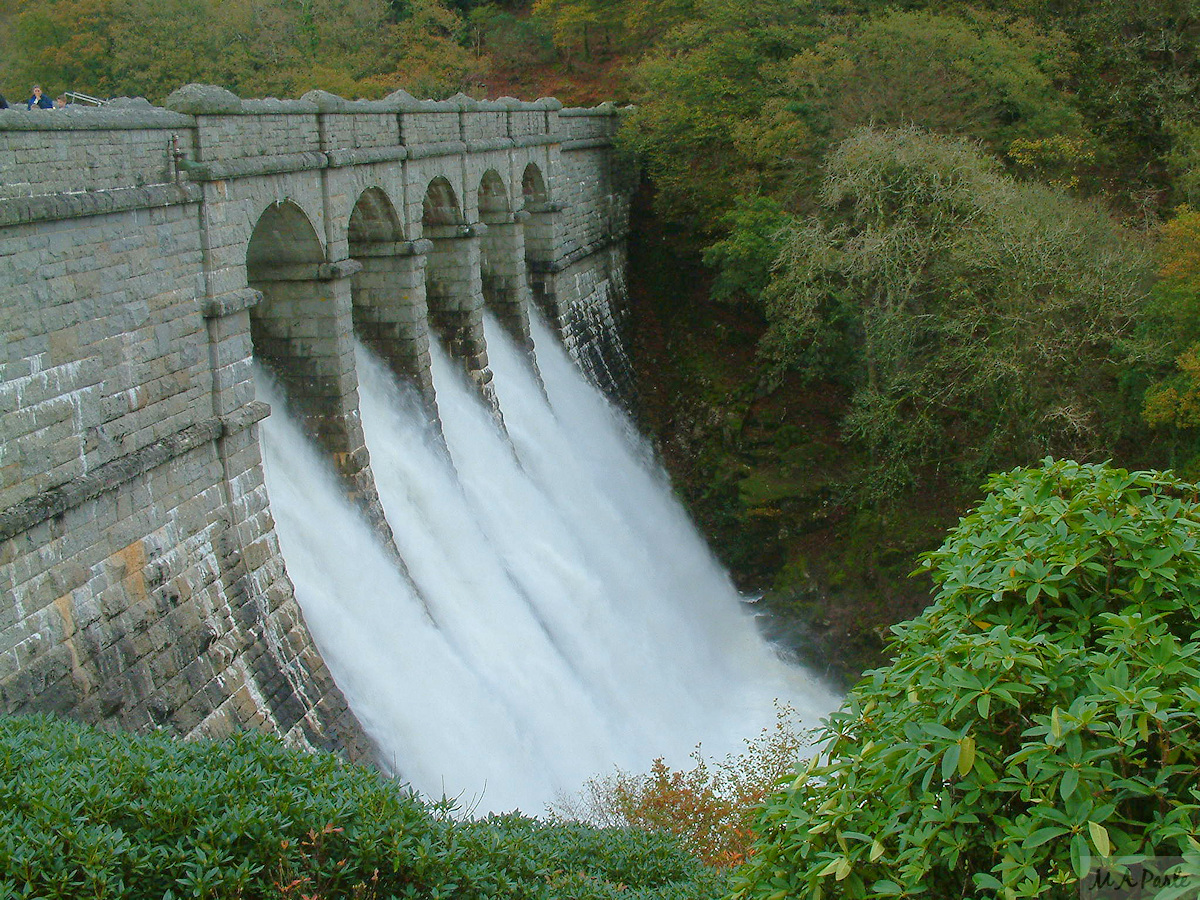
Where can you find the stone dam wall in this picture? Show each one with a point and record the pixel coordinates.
(146, 256)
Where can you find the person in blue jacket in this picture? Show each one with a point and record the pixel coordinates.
(3, 102)
(39, 100)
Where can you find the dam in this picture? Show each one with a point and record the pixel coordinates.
(151, 257)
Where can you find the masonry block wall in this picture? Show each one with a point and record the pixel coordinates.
(140, 575)
(591, 297)
(146, 257)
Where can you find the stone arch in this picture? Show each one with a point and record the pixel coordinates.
(493, 198)
(502, 259)
(453, 291)
(374, 219)
(282, 259)
(388, 292)
(533, 185)
(301, 331)
(440, 206)
(539, 240)
(283, 234)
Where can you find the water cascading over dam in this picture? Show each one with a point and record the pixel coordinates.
(567, 617)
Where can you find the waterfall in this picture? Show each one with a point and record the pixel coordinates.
(567, 616)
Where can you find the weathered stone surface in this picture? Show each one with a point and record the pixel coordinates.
(203, 99)
(145, 259)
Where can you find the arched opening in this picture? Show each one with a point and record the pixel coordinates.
(539, 241)
(440, 206)
(533, 185)
(301, 330)
(282, 261)
(453, 291)
(374, 219)
(389, 291)
(493, 198)
(452, 270)
(502, 263)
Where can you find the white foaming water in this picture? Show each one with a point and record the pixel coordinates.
(570, 618)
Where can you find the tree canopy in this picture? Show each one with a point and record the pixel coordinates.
(980, 320)
(255, 48)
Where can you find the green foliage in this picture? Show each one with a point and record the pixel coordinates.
(744, 257)
(727, 108)
(1183, 159)
(580, 27)
(598, 29)
(90, 814)
(979, 320)
(507, 39)
(1135, 73)
(975, 74)
(1042, 717)
(696, 92)
(280, 47)
(1172, 338)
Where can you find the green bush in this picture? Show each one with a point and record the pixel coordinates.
(92, 814)
(1040, 718)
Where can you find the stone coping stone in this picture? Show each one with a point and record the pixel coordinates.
(271, 106)
(587, 143)
(363, 156)
(204, 99)
(180, 108)
(252, 166)
(608, 108)
(73, 493)
(114, 116)
(79, 204)
(209, 100)
(76, 491)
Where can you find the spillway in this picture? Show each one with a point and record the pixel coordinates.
(562, 615)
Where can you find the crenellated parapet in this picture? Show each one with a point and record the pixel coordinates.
(147, 256)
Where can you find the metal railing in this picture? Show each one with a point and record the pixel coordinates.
(84, 98)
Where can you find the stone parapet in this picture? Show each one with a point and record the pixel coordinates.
(206, 133)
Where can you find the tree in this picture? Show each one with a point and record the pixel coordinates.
(1040, 719)
(255, 48)
(1135, 73)
(744, 257)
(581, 28)
(510, 41)
(980, 75)
(695, 94)
(59, 45)
(979, 320)
(1172, 401)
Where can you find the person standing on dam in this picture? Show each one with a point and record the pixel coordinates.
(38, 100)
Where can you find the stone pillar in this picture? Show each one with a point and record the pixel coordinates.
(504, 277)
(454, 293)
(541, 259)
(390, 313)
(303, 332)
